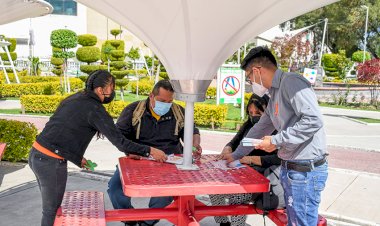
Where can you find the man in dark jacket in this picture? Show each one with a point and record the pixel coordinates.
(158, 122)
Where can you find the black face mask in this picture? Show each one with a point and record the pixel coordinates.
(254, 119)
(108, 100)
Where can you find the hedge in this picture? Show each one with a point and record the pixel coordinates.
(17, 90)
(19, 137)
(37, 79)
(145, 87)
(207, 115)
(211, 93)
(204, 114)
(115, 108)
(41, 103)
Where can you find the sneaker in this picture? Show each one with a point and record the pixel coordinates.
(225, 224)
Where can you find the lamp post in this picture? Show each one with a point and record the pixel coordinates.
(365, 31)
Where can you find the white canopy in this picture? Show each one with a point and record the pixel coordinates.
(193, 38)
(13, 10)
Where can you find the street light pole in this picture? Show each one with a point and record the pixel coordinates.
(322, 43)
(365, 31)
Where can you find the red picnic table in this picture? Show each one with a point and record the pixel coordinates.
(144, 178)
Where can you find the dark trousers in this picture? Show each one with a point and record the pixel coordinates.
(51, 174)
(121, 201)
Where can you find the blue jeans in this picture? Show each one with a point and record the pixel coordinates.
(303, 194)
(51, 174)
(121, 201)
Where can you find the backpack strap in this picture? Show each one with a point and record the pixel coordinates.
(179, 117)
(136, 117)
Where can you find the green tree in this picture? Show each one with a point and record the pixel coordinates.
(346, 25)
(64, 39)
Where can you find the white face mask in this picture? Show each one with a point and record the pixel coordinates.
(259, 89)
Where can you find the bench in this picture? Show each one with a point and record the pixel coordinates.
(2, 149)
(81, 208)
(280, 219)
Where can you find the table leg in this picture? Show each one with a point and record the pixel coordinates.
(186, 211)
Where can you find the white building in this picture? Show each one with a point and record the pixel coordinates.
(67, 14)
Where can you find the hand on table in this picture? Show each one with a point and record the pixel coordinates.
(226, 150)
(135, 157)
(228, 157)
(83, 163)
(266, 144)
(158, 155)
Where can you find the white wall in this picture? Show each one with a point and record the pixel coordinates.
(43, 26)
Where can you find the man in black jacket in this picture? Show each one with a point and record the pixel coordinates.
(157, 122)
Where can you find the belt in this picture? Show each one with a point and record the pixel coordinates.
(46, 151)
(304, 165)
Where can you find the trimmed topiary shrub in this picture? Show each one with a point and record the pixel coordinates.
(358, 56)
(90, 68)
(12, 46)
(56, 61)
(119, 54)
(19, 137)
(4, 56)
(87, 40)
(41, 103)
(88, 54)
(116, 32)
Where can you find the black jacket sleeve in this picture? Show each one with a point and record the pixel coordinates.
(124, 122)
(234, 143)
(270, 160)
(103, 122)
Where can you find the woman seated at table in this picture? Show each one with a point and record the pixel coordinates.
(258, 159)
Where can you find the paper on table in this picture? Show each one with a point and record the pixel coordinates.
(174, 159)
(249, 142)
(222, 164)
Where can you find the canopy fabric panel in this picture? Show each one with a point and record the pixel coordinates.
(13, 10)
(193, 38)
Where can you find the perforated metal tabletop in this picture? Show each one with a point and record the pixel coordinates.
(144, 178)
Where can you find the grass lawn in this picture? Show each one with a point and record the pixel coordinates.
(367, 120)
(10, 111)
(350, 107)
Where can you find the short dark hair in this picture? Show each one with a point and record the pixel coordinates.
(259, 102)
(260, 55)
(165, 84)
(99, 78)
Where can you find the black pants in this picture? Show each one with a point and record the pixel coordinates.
(51, 174)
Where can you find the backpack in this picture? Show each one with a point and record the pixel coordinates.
(274, 199)
(140, 109)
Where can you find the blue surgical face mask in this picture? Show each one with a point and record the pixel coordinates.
(161, 108)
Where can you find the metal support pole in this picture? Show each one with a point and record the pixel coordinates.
(365, 31)
(322, 44)
(188, 137)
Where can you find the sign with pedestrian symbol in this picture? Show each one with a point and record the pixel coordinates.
(230, 85)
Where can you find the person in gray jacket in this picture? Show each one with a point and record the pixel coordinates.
(301, 141)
